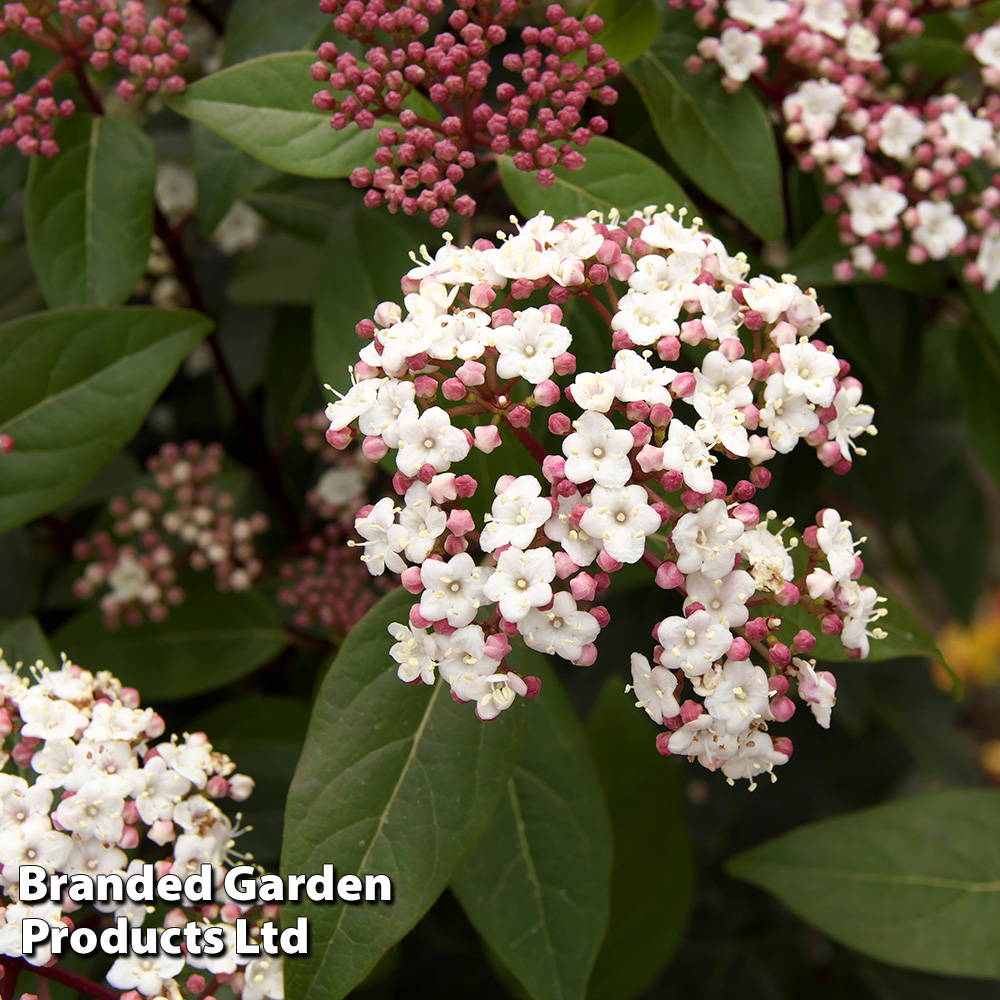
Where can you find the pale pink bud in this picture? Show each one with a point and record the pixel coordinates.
(747, 513)
(684, 385)
(410, 578)
(547, 393)
(460, 522)
(782, 708)
(425, 387)
(650, 458)
(565, 567)
(482, 295)
(442, 487)
(497, 646)
(454, 544)
(129, 838)
(553, 468)
(472, 373)
(453, 389)
(668, 576)
(588, 655)
(565, 364)
(240, 787)
(583, 587)
(560, 424)
(487, 438)
(374, 448)
(161, 832)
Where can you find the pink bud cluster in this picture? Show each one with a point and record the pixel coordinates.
(182, 519)
(95, 33)
(905, 169)
(88, 785)
(707, 367)
(6, 444)
(541, 119)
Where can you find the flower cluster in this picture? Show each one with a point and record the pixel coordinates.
(95, 33)
(542, 120)
(905, 169)
(94, 789)
(708, 365)
(183, 518)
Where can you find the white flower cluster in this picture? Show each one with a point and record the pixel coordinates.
(630, 480)
(93, 783)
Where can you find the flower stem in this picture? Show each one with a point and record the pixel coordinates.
(60, 975)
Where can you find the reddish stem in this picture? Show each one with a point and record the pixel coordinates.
(60, 975)
(530, 442)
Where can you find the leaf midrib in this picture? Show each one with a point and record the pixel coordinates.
(886, 878)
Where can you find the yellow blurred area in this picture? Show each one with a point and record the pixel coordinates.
(973, 652)
(989, 759)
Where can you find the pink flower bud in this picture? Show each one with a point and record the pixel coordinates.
(831, 625)
(804, 642)
(560, 424)
(487, 438)
(425, 387)
(472, 373)
(583, 587)
(129, 838)
(374, 448)
(547, 393)
(460, 522)
(740, 649)
(465, 486)
(668, 576)
(607, 562)
(453, 389)
(454, 544)
(782, 708)
(756, 629)
(565, 566)
(779, 654)
(683, 385)
(410, 578)
(663, 743)
(565, 364)
(482, 295)
(519, 416)
(554, 468)
(588, 655)
(788, 596)
(497, 646)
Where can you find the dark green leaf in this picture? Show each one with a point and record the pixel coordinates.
(24, 640)
(979, 382)
(290, 382)
(280, 268)
(89, 212)
(259, 27)
(537, 885)
(74, 387)
(210, 640)
(614, 176)
(915, 883)
(20, 292)
(224, 174)
(307, 209)
(722, 141)
(630, 26)
(394, 780)
(264, 106)
(645, 797)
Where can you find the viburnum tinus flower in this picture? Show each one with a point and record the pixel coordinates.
(146, 48)
(906, 167)
(87, 782)
(655, 460)
(538, 114)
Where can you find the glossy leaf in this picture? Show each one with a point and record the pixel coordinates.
(23, 639)
(224, 175)
(630, 26)
(206, 642)
(264, 106)
(258, 27)
(536, 887)
(280, 268)
(645, 796)
(395, 780)
(722, 141)
(304, 208)
(915, 883)
(614, 176)
(89, 212)
(74, 387)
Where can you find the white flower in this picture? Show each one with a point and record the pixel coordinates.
(647, 316)
(145, 973)
(939, 229)
(340, 485)
(521, 581)
(176, 190)
(518, 512)
(874, 208)
(393, 398)
(758, 13)
(11, 929)
(96, 809)
(428, 438)
(654, 689)
(817, 689)
(32, 842)
(687, 451)
(988, 262)
(828, 16)
(810, 372)
(816, 105)
(857, 604)
(654, 272)
(641, 380)
(464, 663)
(415, 652)
(454, 589)
(853, 418)
(835, 539)
(692, 644)
(465, 334)
(770, 564)
(723, 598)
(786, 415)
(597, 450)
(706, 540)
(529, 347)
(562, 629)
(49, 719)
(240, 229)
(597, 391)
(848, 154)
(576, 543)
(740, 696)
(720, 312)
(622, 518)
(739, 53)
(987, 50)
(755, 754)
(422, 521)
(722, 382)
(769, 297)
(519, 257)
(862, 44)
(384, 540)
(901, 131)
(967, 131)
(263, 978)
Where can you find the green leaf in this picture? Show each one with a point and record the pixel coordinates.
(394, 780)
(24, 640)
(979, 385)
(74, 387)
(264, 106)
(89, 212)
(280, 268)
(630, 26)
(537, 885)
(915, 883)
(722, 141)
(224, 175)
(368, 252)
(206, 642)
(307, 209)
(259, 27)
(645, 796)
(614, 176)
